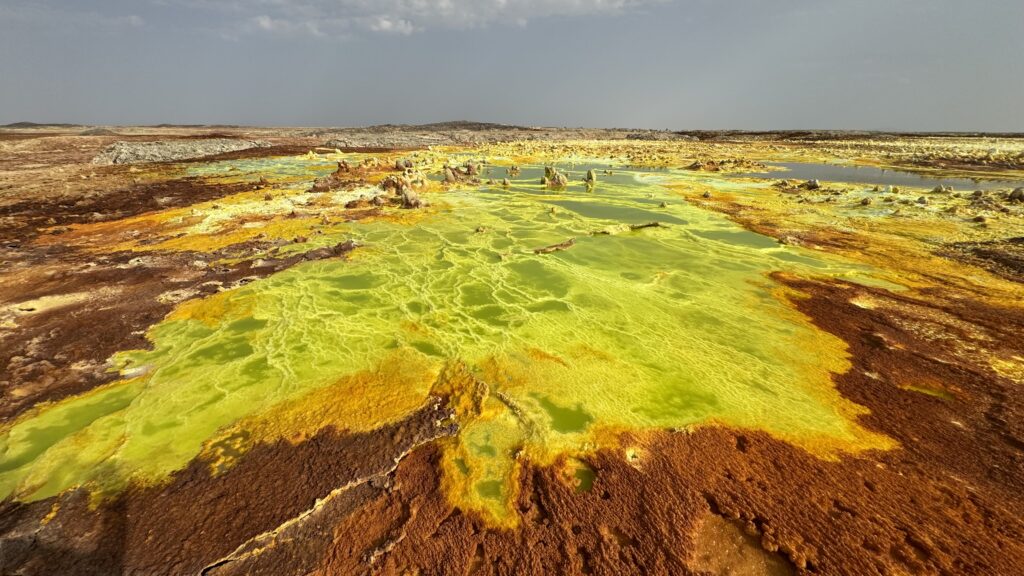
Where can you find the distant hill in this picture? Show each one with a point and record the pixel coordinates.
(98, 132)
(196, 126)
(37, 125)
(450, 125)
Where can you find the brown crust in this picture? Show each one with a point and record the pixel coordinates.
(1004, 257)
(197, 519)
(29, 218)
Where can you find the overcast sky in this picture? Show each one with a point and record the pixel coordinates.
(676, 64)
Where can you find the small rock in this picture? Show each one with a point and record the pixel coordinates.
(554, 178)
(706, 195)
(411, 199)
(865, 201)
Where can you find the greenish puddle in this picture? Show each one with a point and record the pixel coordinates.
(562, 419)
(584, 476)
(872, 175)
(648, 329)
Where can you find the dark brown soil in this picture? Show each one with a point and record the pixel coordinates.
(1002, 257)
(26, 219)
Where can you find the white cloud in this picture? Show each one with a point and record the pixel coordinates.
(386, 24)
(345, 17)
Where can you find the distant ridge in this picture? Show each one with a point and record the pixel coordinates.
(450, 125)
(198, 126)
(38, 125)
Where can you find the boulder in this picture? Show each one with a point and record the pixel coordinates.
(411, 199)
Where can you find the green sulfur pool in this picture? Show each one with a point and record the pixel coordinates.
(662, 327)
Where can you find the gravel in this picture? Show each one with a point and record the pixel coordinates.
(171, 150)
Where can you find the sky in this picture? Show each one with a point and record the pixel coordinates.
(912, 65)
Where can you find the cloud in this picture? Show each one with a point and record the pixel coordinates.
(392, 25)
(402, 17)
(266, 23)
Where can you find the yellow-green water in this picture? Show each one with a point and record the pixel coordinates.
(656, 328)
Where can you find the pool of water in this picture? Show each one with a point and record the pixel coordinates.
(655, 328)
(875, 176)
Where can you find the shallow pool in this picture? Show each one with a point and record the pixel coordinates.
(875, 176)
